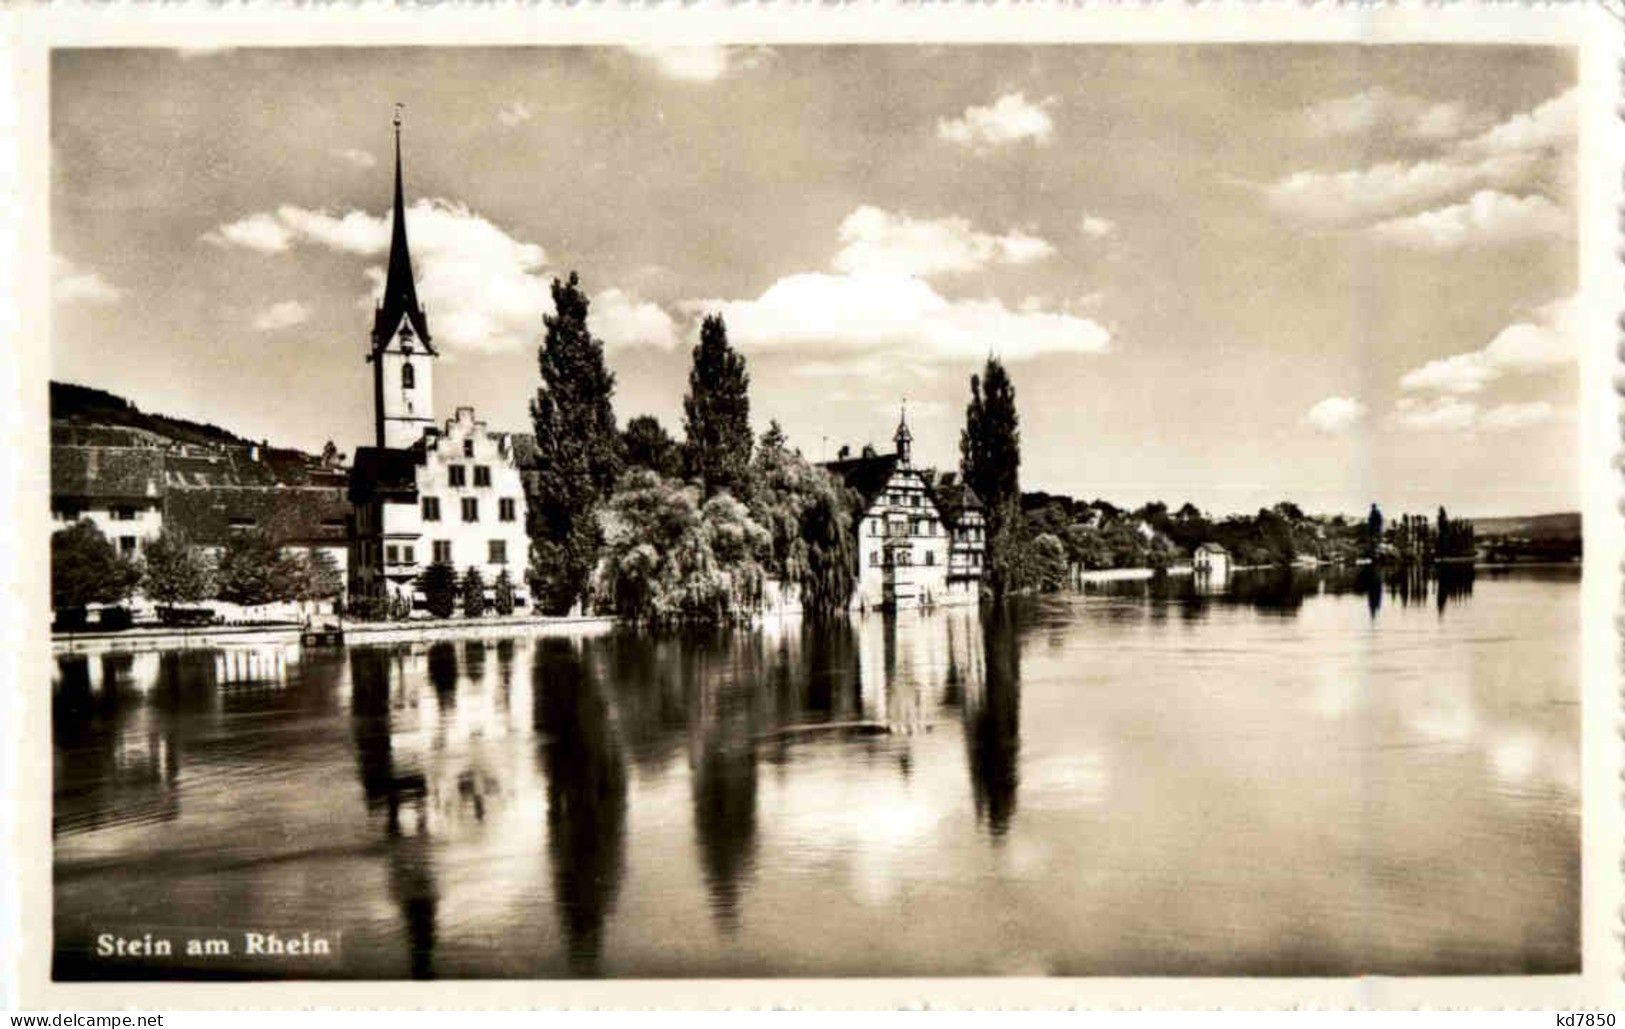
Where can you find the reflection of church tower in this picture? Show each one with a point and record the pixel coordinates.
(402, 358)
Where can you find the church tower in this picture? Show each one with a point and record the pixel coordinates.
(402, 356)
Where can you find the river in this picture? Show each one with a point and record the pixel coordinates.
(1278, 775)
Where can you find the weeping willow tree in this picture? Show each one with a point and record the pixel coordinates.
(808, 515)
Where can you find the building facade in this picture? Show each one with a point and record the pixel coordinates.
(905, 543)
(1211, 559)
(427, 493)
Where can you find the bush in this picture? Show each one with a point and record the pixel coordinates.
(70, 619)
(85, 569)
(473, 593)
(186, 616)
(504, 594)
(439, 585)
(114, 619)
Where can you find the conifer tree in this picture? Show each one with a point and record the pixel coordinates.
(990, 462)
(716, 412)
(578, 451)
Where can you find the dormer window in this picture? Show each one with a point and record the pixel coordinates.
(408, 377)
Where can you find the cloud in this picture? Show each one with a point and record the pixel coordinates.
(702, 63)
(1546, 341)
(260, 232)
(515, 113)
(484, 290)
(1337, 198)
(852, 315)
(1009, 119)
(1452, 414)
(878, 242)
(1505, 156)
(358, 158)
(1488, 218)
(1097, 228)
(1334, 414)
(623, 321)
(281, 315)
(71, 284)
(1382, 109)
(1437, 414)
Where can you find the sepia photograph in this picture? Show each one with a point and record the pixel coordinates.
(815, 511)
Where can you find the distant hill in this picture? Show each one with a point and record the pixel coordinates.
(1562, 526)
(88, 409)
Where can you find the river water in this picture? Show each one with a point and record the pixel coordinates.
(1282, 774)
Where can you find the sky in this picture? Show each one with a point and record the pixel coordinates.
(1225, 274)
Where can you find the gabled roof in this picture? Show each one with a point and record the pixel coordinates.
(954, 497)
(107, 473)
(291, 515)
(867, 475)
(387, 472)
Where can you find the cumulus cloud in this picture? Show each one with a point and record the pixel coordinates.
(877, 242)
(1009, 119)
(1487, 218)
(515, 113)
(281, 315)
(1382, 109)
(71, 284)
(1504, 157)
(852, 315)
(1334, 415)
(622, 320)
(1545, 341)
(701, 63)
(358, 158)
(1452, 414)
(262, 232)
(1097, 228)
(485, 291)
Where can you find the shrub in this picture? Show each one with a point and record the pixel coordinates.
(473, 593)
(439, 585)
(85, 569)
(504, 594)
(114, 619)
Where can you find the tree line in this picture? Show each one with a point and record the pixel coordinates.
(251, 569)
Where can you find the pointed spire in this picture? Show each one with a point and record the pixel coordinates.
(903, 437)
(400, 298)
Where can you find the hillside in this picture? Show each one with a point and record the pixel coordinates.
(1561, 526)
(93, 411)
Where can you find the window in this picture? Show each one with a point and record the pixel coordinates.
(126, 545)
(921, 528)
(408, 556)
(914, 500)
(471, 509)
(442, 552)
(874, 526)
(408, 376)
(482, 475)
(431, 509)
(874, 558)
(468, 450)
(930, 557)
(392, 555)
(905, 557)
(506, 509)
(498, 552)
(124, 514)
(457, 475)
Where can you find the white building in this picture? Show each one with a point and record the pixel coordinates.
(906, 545)
(426, 493)
(1211, 559)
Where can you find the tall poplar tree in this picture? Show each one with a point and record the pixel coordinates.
(578, 451)
(716, 412)
(990, 461)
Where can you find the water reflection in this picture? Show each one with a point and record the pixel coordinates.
(585, 769)
(637, 804)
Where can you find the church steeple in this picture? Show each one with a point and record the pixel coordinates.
(903, 438)
(400, 300)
